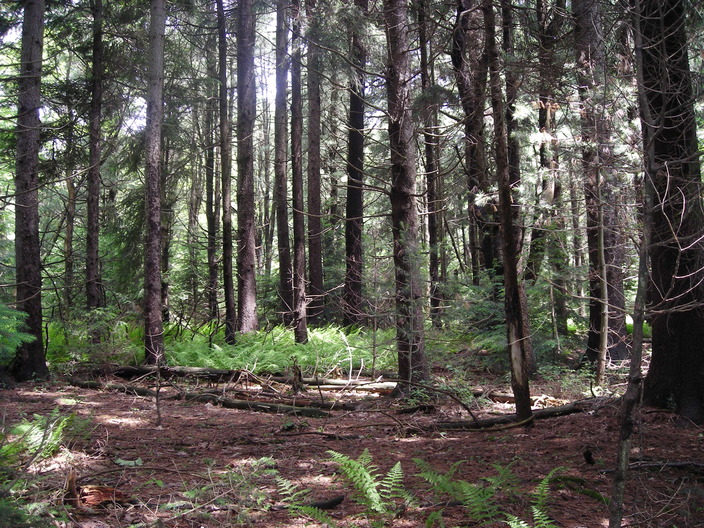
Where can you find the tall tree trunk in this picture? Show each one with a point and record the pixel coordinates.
(299, 227)
(29, 361)
(432, 170)
(676, 372)
(153, 324)
(246, 211)
(469, 63)
(94, 295)
(517, 328)
(352, 309)
(600, 190)
(316, 286)
(412, 364)
(228, 281)
(212, 202)
(280, 165)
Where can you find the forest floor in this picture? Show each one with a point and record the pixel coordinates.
(209, 466)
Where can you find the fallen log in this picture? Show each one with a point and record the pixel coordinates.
(248, 405)
(166, 372)
(511, 420)
(251, 405)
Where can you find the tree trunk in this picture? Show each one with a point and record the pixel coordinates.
(300, 321)
(600, 189)
(412, 365)
(94, 295)
(469, 63)
(432, 171)
(228, 281)
(153, 324)
(212, 201)
(517, 328)
(29, 361)
(316, 286)
(280, 165)
(676, 373)
(246, 211)
(352, 299)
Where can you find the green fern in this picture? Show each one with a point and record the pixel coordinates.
(539, 503)
(379, 494)
(294, 498)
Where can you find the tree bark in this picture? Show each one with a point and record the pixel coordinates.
(517, 328)
(469, 63)
(316, 288)
(212, 200)
(94, 295)
(352, 298)
(153, 324)
(431, 138)
(246, 211)
(412, 364)
(300, 314)
(29, 361)
(280, 163)
(676, 373)
(228, 282)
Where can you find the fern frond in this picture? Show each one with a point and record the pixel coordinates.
(364, 477)
(541, 494)
(541, 519)
(316, 514)
(433, 518)
(290, 491)
(515, 522)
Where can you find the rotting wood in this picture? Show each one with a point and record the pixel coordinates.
(489, 424)
(308, 412)
(210, 374)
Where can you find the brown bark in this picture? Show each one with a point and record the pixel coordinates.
(29, 361)
(352, 298)
(676, 372)
(246, 211)
(412, 364)
(153, 325)
(316, 289)
(300, 314)
(432, 171)
(228, 282)
(94, 297)
(469, 63)
(517, 328)
(280, 165)
(212, 207)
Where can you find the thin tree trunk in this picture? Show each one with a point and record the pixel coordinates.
(280, 165)
(432, 171)
(316, 291)
(518, 332)
(469, 63)
(212, 202)
(246, 210)
(29, 361)
(153, 324)
(300, 321)
(94, 296)
(412, 364)
(228, 281)
(352, 299)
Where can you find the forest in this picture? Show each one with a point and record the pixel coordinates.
(418, 193)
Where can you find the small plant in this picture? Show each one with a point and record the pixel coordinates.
(296, 500)
(11, 333)
(382, 495)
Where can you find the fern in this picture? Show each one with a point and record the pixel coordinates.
(294, 498)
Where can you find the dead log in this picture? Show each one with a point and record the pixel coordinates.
(511, 420)
(209, 374)
(247, 405)
(250, 405)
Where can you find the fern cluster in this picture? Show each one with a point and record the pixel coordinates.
(11, 333)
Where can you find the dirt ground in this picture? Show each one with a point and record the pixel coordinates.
(209, 466)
